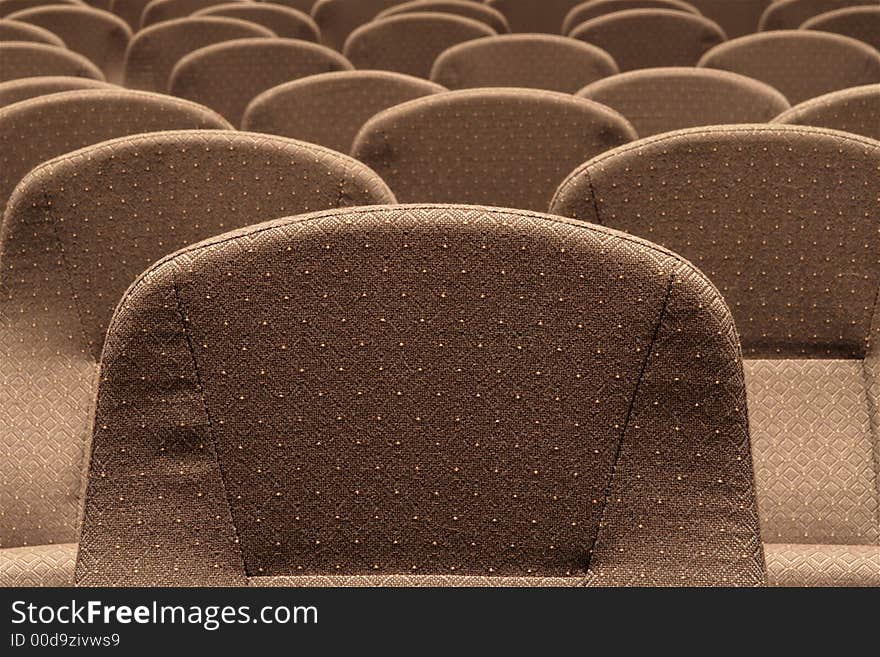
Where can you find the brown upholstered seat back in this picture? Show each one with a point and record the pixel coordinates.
(159, 11)
(794, 255)
(791, 14)
(855, 110)
(128, 10)
(339, 18)
(24, 60)
(287, 23)
(329, 109)
(427, 390)
(658, 100)
(862, 23)
(467, 8)
(595, 8)
(226, 76)
(801, 64)
(10, 6)
(14, 30)
(538, 61)
(409, 43)
(155, 50)
(529, 16)
(77, 232)
(644, 38)
(15, 90)
(736, 18)
(504, 147)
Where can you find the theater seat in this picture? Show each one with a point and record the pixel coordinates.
(503, 147)
(285, 22)
(24, 60)
(791, 14)
(329, 109)
(422, 394)
(736, 17)
(545, 16)
(128, 10)
(77, 232)
(594, 8)
(467, 8)
(339, 18)
(12, 30)
(10, 6)
(158, 11)
(782, 219)
(855, 110)
(862, 23)
(16, 90)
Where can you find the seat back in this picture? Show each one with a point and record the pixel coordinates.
(287, 23)
(537, 61)
(467, 8)
(862, 23)
(69, 254)
(855, 110)
(658, 100)
(17, 90)
(155, 50)
(799, 63)
(594, 8)
(381, 422)
(128, 10)
(226, 76)
(98, 35)
(644, 38)
(158, 11)
(791, 14)
(13, 30)
(329, 109)
(528, 16)
(736, 18)
(409, 43)
(504, 147)
(24, 60)
(10, 6)
(339, 18)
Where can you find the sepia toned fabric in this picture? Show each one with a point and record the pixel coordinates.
(855, 110)
(823, 565)
(736, 17)
(425, 391)
(656, 100)
(801, 64)
(409, 43)
(305, 6)
(862, 23)
(545, 16)
(502, 147)
(97, 35)
(24, 60)
(329, 109)
(285, 22)
(16, 90)
(537, 61)
(42, 565)
(128, 10)
(154, 51)
(158, 11)
(227, 76)
(77, 232)
(14, 30)
(10, 6)
(791, 14)
(467, 8)
(594, 8)
(645, 38)
(339, 18)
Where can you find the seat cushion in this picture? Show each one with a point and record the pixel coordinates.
(791, 564)
(40, 565)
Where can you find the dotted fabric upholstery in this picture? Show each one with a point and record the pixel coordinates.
(409, 43)
(155, 50)
(862, 23)
(25, 60)
(645, 38)
(538, 61)
(388, 425)
(339, 18)
(43, 565)
(528, 16)
(300, 5)
(658, 100)
(855, 110)
(410, 581)
(227, 76)
(68, 255)
(16, 90)
(329, 109)
(285, 22)
(128, 10)
(10, 6)
(469, 9)
(158, 11)
(503, 147)
(791, 14)
(823, 565)
(13, 30)
(736, 17)
(97, 35)
(799, 63)
(595, 8)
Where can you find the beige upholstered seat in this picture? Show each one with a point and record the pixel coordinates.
(25, 60)
(783, 220)
(529, 16)
(412, 395)
(97, 35)
(791, 14)
(644, 38)
(24, 88)
(862, 23)
(227, 76)
(855, 110)
(801, 64)
(112, 210)
(409, 43)
(285, 22)
(503, 147)
(658, 100)
(128, 10)
(13, 30)
(467, 8)
(594, 8)
(329, 109)
(155, 50)
(339, 18)
(158, 11)
(10, 6)
(538, 61)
